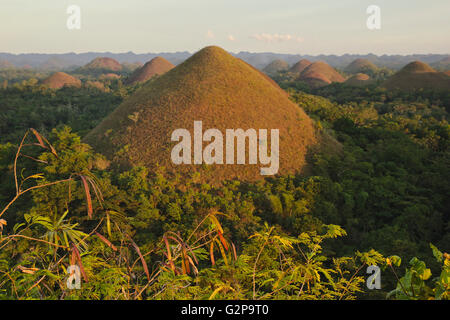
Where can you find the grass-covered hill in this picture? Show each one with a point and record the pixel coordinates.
(222, 91)
(156, 66)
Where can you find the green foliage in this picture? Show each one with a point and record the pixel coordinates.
(415, 284)
(147, 234)
(24, 107)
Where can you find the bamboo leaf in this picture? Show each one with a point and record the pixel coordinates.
(144, 264)
(215, 292)
(211, 253)
(108, 224)
(88, 196)
(38, 137)
(222, 251)
(106, 241)
(224, 242)
(80, 263)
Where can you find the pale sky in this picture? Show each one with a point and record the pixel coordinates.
(282, 26)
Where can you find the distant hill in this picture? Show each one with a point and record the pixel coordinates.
(442, 65)
(361, 66)
(61, 79)
(300, 66)
(103, 64)
(156, 66)
(320, 74)
(359, 79)
(418, 75)
(276, 66)
(54, 64)
(221, 91)
(130, 67)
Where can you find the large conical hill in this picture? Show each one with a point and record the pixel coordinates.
(218, 89)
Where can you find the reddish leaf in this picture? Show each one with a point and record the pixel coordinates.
(80, 263)
(222, 239)
(144, 264)
(38, 137)
(106, 241)
(97, 191)
(88, 196)
(234, 251)
(193, 265)
(169, 253)
(211, 253)
(41, 140)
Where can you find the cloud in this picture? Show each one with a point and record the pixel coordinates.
(210, 34)
(269, 38)
(231, 37)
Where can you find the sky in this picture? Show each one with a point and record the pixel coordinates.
(281, 26)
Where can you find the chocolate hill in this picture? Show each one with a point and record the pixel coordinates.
(61, 79)
(103, 63)
(276, 66)
(418, 75)
(359, 79)
(156, 66)
(300, 66)
(417, 67)
(360, 66)
(320, 74)
(218, 89)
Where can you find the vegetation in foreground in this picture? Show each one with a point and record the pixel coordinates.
(150, 235)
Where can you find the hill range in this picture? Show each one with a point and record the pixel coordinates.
(259, 60)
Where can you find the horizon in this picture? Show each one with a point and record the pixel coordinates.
(232, 52)
(285, 27)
